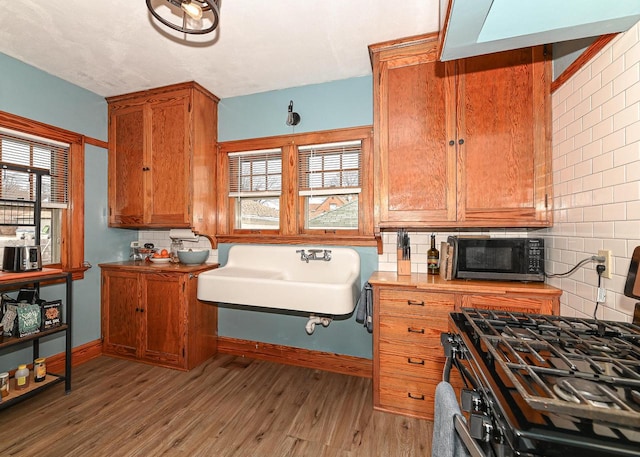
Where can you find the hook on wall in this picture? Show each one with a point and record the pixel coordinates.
(292, 118)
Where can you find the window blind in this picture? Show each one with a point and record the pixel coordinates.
(330, 169)
(32, 151)
(255, 173)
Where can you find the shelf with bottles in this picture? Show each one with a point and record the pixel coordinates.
(14, 281)
(32, 389)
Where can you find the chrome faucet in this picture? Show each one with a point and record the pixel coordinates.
(312, 254)
(303, 255)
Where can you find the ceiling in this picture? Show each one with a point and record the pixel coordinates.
(112, 47)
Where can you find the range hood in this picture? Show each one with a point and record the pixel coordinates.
(475, 27)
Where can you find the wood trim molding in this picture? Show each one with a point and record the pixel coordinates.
(96, 142)
(79, 355)
(582, 60)
(327, 361)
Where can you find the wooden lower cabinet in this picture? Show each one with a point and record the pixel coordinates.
(409, 317)
(155, 317)
(408, 358)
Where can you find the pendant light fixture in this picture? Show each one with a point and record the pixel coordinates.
(195, 17)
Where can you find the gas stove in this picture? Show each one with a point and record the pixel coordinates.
(548, 385)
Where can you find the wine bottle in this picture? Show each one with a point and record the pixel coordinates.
(433, 257)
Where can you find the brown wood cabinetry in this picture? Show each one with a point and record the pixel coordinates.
(463, 143)
(152, 314)
(410, 313)
(162, 156)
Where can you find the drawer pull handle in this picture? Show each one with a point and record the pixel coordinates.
(415, 361)
(415, 303)
(413, 330)
(415, 397)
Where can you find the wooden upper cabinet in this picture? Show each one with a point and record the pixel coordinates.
(462, 143)
(504, 163)
(162, 156)
(413, 163)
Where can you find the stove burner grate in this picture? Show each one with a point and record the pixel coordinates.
(579, 390)
(554, 362)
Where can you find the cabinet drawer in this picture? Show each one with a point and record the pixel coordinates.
(412, 363)
(408, 395)
(502, 302)
(412, 330)
(412, 302)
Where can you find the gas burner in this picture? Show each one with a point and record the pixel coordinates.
(567, 388)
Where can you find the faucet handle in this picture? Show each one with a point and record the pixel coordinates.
(327, 254)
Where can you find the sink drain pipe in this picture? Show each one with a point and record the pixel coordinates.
(313, 320)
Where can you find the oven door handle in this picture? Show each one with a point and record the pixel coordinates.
(465, 436)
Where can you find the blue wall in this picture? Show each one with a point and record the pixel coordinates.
(34, 94)
(338, 104)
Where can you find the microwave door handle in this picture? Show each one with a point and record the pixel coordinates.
(463, 432)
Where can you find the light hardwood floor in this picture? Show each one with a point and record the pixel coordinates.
(228, 407)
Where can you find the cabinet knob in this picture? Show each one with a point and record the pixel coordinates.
(461, 141)
(137, 309)
(414, 330)
(451, 143)
(145, 168)
(415, 303)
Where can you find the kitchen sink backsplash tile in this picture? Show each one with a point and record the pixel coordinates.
(161, 240)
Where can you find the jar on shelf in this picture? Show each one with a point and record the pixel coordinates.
(4, 384)
(176, 245)
(39, 369)
(22, 377)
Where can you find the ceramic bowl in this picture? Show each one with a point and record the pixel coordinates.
(193, 256)
(159, 259)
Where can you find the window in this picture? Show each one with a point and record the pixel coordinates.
(330, 180)
(30, 143)
(20, 154)
(255, 185)
(301, 188)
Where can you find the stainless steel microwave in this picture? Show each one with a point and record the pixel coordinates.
(503, 259)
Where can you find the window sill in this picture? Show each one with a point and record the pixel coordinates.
(334, 240)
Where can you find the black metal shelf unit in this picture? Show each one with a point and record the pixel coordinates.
(8, 342)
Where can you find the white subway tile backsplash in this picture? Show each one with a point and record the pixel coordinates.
(602, 96)
(626, 192)
(612, 71)
(627, 154)
(627, 78)
(614, 212)
(627, 116)
(613, 141)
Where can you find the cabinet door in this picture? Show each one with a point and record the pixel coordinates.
(126, 152)
(414, 164)
(503, 104)
(120, 313)
(164, 318)
(168, 164)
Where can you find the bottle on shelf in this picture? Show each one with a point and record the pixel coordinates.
(433, 257)
(22, 377)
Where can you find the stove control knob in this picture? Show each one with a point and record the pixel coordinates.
(480, 427)
(471, 401)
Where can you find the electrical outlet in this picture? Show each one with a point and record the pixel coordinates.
(608, 262)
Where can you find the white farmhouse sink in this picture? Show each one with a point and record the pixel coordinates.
(276, 277)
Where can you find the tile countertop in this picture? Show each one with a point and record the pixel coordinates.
(435, 282)
(149, 267)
